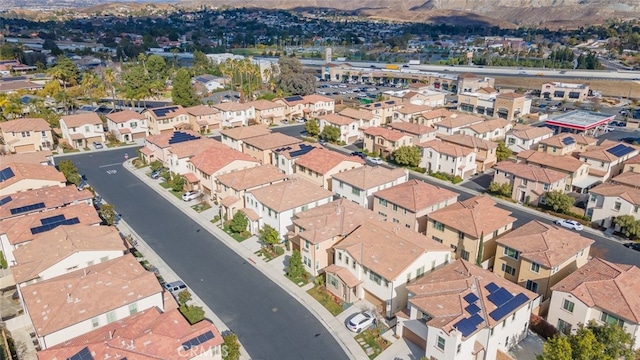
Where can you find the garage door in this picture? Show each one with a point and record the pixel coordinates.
(24, 148)
(375, 301)
(414, 338)
(139, 135)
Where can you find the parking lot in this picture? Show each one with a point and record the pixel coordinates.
(355, 90)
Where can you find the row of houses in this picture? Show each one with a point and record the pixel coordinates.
(80, 289)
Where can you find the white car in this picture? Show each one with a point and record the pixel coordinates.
(570, 224)
(190, 195)
(375, 160)
(553, 108)
(361, 321)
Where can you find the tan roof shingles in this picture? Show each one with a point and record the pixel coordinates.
(263, 104)
(252, 177)
(322, 160)
(412, 128)
(77, 120)
(474, 216)
(489, 125)
(337, 119)
(271, 141)
(632, 195)
(55, 245)
(36, 157)
(168, 112)
(52, 197)
(201, 110)
(628, 178)
(526, 132)
(25, 124)
(415, 195)
(446, 148)
(194, 147)
(162, 140)
(290, 194)
(286, 152)
(387, 134)
(469, 141)
(344, 274)
(565, 162)
(386, 248)
(557, 140)
(459, 120)
(545, 244)
(245, 132)
(368, 177)
(531, 172)
(601, 152)
(22, 171)
(215, 158)
(609, 286)
(357, 114)
(124, 116)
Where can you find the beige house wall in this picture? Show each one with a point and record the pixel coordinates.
(271, 116)
(416, 221)
(532, 190)
(325, 180)
(33, 141)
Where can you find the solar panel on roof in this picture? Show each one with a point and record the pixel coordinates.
(51, 220)
(509, 306)
(83, 354)
(197, 340)
(491, 287)
(50, 226)
(5, 200)
(24, 209)
(470, 298)
(472, 309)
(620, 150)
(468, 326)
(568, 140)
(179, 136)
(164, 111)
(6, 174)
(500, 297)
(377, 105)
(293, 98)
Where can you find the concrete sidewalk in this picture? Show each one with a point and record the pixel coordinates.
(246, 249)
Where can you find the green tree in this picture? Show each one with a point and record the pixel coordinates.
(182, 92)
(330, 133)
(292, 79)
(231, 347)
(559, 201)
(628, 225)
(269, 236)
(184, 297)
(500, 189)
(134, 84)
(70, 172)
(108, 214)
(295, 269)
(177, 183)
(312, 127)
(239, 222)
(556, 348)
(503, 152)
(408, 156)
(585, 346)
(618, 344)
(156, 165)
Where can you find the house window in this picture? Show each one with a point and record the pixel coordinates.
(464, 254)
(111, 317)
(396, 221)
(508, 269)
(535, 267)
(546, 187)
(420, 271)
(437, 239)
(133, 308)
(332, 280)
(306, 244)
(441, 343)
(459, 347)
(355, 191)
(593, 198)
(346, 260)
(86, 129)
(382, 202)
(375, 277)
(103, 259)
(564, 327)
(394, 207)
(340, 256)
(511, 253)
(340, 184)
(438, 225)
(95, 322)
(611, 320)
(568, 305)
(26, 134)
(525, 182)
(617, 205)
(460, 235)
(532, 286)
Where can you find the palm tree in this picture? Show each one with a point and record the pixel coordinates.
(109, 78)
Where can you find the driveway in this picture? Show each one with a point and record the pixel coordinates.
(269, 322)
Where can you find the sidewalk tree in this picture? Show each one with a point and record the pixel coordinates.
(503, 152)
(108, 214)
(184, 297)
(559, 201)
(407, 156)
(330, 133)
(312, 127)
(70, 172)
(231, 347)
(177, 183)
(629, 226)
(269, 236)
(182, 92)
(239, 222)
(295, 269)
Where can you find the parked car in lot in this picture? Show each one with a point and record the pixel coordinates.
(569, 224)
(190, 195)
(375, 160)
(633, 245)
(361, 321)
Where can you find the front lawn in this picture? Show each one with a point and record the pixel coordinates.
(177, 194)
(201, 206)
(326, 299)
(302, 280)
(239, 237)
(165, 185)
(371, 341)
(267, 254)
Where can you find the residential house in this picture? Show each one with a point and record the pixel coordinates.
(75, 303)
(365, 119)
(269, 112)
(465, 224)
(155, 334)
(608, 201)
(285, 158)
(44, 157)
(319, 165)
(428, 118)
(261, 147)
(454, 123)
(629, 178)
(203, 119)
(231, 187)
(359, 185)
(410, 203)
(81, 130)
(127, 125)
(214, 161)
(382, 110)
(317, 230)
(309, 106)
(377, 260)
(566, 144)
(276, 204)
(462, 311)
(607, 159)
(47, 198)
(537, 255)
(20, 230)
(179, 154)
(578, 171)
(420, 133)
(64, 249)
(349, 128)
(528, 182)
(26, 135)
(493, 129)
(485, 150)
(632, 164)
(564, 91)
(468, 82)
(383, 141)
(417, 96)
(235, 137)
(167, 119)
(599, 291)
(448, 158)
(525, 137)
(207, 83)
(408, 112)
(15, 177)
(156, 147)
(511, 105)
(235, 114)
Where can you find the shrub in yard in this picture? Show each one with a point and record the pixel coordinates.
(541, 327)
(279, 251)
(156, 165)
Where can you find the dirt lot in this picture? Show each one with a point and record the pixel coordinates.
(606, 87)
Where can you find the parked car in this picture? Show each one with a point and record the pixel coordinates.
(190, 195)
(98, 145)
(375, 160)
(175, 287)
(361, 321)
(542, 106)
(322, 142)
(633, 245)
(553, 108)
(608, 128)
(155, 174)
(359, 154)
(570, 224)
(631, 140)
(83, 185)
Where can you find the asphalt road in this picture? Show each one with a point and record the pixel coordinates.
(268, 321)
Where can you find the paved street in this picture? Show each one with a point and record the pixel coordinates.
(269, 322)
